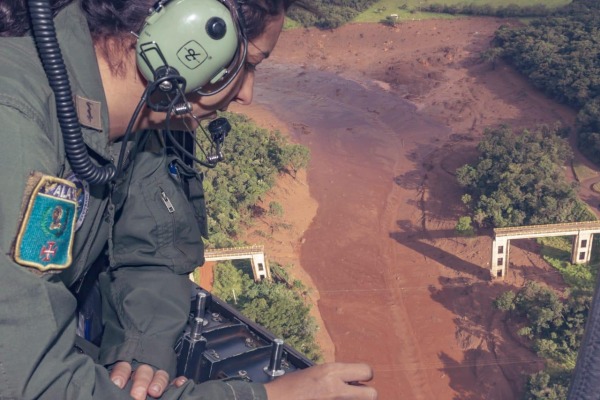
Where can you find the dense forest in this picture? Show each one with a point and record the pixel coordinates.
(234, 187)
(518, 180)
(560, 55)
(329, 14)
(507, 11)
(553, 322)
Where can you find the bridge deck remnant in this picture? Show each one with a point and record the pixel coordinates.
(581, 250)
(256, 254)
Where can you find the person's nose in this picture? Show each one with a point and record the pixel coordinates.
(244, 95)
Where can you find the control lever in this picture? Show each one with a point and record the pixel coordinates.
(199, 308)
(193, 345)
(274, 367)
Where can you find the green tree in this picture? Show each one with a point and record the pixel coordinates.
(556, 328)
(295, 157)
(518, 179)
(541, 306)
(229, 282)
(492, 55)
(505, 301)
(284, 313)
(234, 187)
(279, 306)
(464, 227)
(543, 386)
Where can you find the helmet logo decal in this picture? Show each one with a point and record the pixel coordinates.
(192, 54)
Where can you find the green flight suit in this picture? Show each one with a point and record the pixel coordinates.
(152, 247)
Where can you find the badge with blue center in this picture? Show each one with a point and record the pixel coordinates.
(45, 237)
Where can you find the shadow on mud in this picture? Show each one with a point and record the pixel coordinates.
(489, 360)
(422, 242)
(495, 362)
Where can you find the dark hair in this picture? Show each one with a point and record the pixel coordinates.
(14, 16)
(117, 18)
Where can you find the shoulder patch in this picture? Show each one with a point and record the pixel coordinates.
(82, 195)
(47, 229)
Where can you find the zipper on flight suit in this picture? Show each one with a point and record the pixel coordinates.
(165, 199)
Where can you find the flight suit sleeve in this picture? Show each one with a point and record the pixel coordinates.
(38, 359)
(37, 325)
(156, 243)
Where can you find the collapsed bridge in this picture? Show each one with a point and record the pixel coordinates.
(580, 253)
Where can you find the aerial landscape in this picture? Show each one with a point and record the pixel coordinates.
(389, 113)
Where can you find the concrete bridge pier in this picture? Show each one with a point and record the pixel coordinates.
(582, 244)
(582, 247)
(256, 254)
(500, 248)
(260, 269)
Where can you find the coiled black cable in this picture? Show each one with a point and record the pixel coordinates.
(44, 34)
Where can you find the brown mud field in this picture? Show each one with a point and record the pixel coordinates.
(389, 113)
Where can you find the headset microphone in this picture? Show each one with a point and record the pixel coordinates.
(218, 129)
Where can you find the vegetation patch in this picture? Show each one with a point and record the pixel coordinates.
(330, 14)
(518, 180)
(583, 172)
(427, 9)
(279, 305)
(464, 226)
(553, 321)
(555, 324)
(559, 55)
(233, 190)
(557, 252)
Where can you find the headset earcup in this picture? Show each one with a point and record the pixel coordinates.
(198, 38)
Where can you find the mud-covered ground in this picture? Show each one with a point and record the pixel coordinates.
(389, 114)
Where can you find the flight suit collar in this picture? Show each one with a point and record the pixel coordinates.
(79, 55)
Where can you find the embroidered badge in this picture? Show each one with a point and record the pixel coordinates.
(83, 198)
(89, 112)
(45, 237)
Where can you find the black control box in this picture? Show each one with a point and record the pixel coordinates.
(220, 343)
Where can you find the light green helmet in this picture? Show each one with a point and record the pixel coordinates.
(198, 38)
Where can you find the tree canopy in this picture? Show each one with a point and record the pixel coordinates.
(232, 188)
(560, 55)
(330, 13)
(518, 180)
(278, 305)
(553, 321)
(556, 328)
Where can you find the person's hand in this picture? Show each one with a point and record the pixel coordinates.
(333, 381)
(145, 381)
